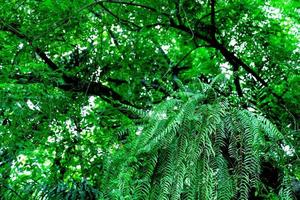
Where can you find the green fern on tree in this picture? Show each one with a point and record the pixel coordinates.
(196, 146)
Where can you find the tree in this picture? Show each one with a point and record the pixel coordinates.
(141, 99)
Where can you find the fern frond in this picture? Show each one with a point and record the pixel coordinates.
(285, 192)
(202, 150)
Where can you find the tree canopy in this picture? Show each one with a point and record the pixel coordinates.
(140, 99)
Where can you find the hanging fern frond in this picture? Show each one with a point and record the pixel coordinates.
(285, 192)
(198, 147)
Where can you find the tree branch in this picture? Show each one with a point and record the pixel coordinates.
(188, 53)
(234, 60)
(46, 59)
(229, 56)
(177, 4)
(72, 83)
(91, 88)
(236, 80)
(122, 21)
(43, 56)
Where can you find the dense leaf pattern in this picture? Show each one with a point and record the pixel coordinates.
(181, 99)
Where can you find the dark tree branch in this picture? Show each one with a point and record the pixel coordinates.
(188, 30)
(46, 59)
(114, 38)
(10, 28)
(188, 53)
(177, 4)
(229, 56)
(91, 88)
(73, 84)
(120, 20)
(43, 56)
(117, 81)
(234, 60)
(236, 80)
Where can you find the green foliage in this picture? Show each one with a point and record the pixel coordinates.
(197, 147)
(143, 99)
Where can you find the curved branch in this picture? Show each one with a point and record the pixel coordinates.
(228, 55)
(234, 60)
(123, 21)
(188, 53)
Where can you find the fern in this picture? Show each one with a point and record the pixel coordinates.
(196, 146)
(285, 192)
